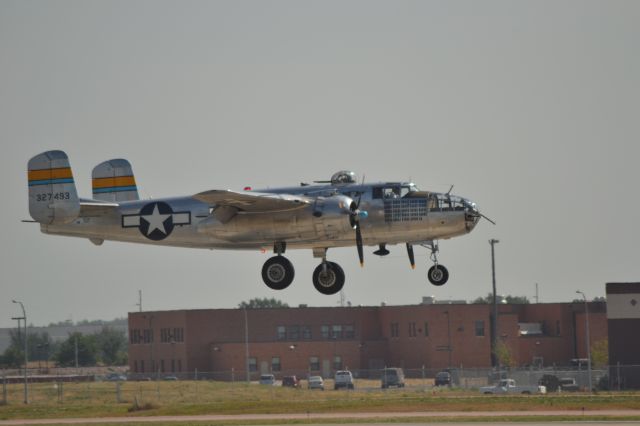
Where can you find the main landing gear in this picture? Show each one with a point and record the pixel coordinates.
(437, 274)
(278, 272)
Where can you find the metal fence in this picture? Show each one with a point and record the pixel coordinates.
(66, 386)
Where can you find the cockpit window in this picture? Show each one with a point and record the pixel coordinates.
(392, 191)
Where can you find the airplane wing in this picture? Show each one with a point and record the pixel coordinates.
(252, 202)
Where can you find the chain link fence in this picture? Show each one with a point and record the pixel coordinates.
(95, 386)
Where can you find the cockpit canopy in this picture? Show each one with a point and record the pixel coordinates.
(342, 177)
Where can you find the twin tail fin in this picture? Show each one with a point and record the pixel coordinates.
(53, 198)
(113, 181)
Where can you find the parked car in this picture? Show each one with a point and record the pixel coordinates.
(290, 381)
(568, 384)
(443, 378)
(509, 386)
(316, 382)
(268, 379)
(116, 377)
(392, 377)
(343, 379)
(170, 378)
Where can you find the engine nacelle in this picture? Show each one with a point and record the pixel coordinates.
(332, 216)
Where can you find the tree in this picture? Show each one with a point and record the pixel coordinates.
(258, 303)
(504, 355)
(87, 350)
(38, 345)
(600, 353)
(514, 300)
(112, 345)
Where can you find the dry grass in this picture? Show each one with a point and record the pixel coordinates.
(206, 397)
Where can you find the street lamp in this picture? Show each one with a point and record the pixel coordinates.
(26, 356)
(586, 312)
(449, 349)
(150, 318)
(494, 332)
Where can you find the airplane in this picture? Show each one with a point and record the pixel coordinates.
(339, 212)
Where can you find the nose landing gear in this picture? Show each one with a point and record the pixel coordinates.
(438, 275)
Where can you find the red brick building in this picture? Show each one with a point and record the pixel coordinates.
(321, 340)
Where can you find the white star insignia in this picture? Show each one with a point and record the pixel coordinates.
(156, 221)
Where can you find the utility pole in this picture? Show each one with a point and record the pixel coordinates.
(494, 332)
(586, 312)
(246, 345)
(139, 304)
(26, 353)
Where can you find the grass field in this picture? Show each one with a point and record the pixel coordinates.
(102, 399)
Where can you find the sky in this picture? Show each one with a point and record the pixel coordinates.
(530, 108)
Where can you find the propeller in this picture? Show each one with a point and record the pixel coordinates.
(412, 259)
(355, 216)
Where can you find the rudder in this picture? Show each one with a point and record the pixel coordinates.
(53, 198)
(113, 180)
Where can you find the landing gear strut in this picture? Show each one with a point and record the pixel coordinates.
(328, 277)
(438, 274)
(277, 271)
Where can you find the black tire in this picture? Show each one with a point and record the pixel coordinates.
(438, 275)
(330, 282)
(278, 273)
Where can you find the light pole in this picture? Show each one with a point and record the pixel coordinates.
(150, 318)
(494, 332)
(586, 312)
(246, 345)
(449, 349)
(26, 356)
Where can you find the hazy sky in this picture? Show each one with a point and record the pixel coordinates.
(531, 108)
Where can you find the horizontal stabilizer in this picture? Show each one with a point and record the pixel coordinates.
(113, 180)
(94, 209)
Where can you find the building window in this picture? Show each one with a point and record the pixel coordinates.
(275, 364)
(253, 365)
(426, 329)
(412, 329)
(557, 328)
(142, 366)
(479, 328)
(395, 330)
(306, 332)
(281, 332)
(294, 332)
(337, 362)
(162, 365)
(147, 335)
(178, 335)
(135, 366)
(314, 363)
(324, 330)
(179, 365)
(336, 332)
(349, 332)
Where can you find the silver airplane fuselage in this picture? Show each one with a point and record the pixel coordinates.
(413, 217)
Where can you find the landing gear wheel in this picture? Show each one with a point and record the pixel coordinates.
(328, 278)
(277, 273)
(438, 275)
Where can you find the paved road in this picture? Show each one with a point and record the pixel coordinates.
(324, 416)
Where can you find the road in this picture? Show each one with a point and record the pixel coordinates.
(334, 416)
